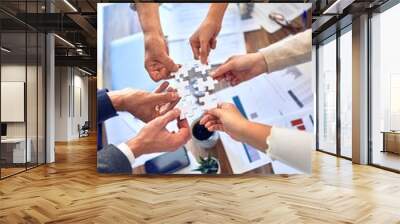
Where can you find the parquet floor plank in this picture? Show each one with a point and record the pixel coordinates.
(71, 191)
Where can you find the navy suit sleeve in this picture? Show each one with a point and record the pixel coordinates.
(111, 160)
(105, 109)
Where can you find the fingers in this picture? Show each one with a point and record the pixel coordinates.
(184, 130)
(171, 89)
(226, 105)
(154, 73)
(169, 116)
(164, 85)
(164, 73)
(206, 118)
(175, 102)
(235, 82)
(217, 112)
(167, 107)
(181, 137)
(183, 123)
(214, 115)
(195, 48)
(216, 127)
(169, 64)
(163, 98)
(204, 51)
(211, 123)
(213, 43)
(222, 70)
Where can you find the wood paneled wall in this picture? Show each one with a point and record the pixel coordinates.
(92, 100)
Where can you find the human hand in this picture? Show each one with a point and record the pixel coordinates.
(157, 61)
(145, 105)
(205, 36)
(154, 137)
(227, 118)
(204, 39)
(240, 68)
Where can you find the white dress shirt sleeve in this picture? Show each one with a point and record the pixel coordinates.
(288, 52)
(124, 148)
(292, 147)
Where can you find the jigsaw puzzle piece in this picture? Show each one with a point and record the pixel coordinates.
(209, 101)
(198, 93)
(177, 74)
(210, 83)
(203, 69)
(200, 85)
(195, 87)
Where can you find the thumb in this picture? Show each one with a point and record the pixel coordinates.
(169, 116)
(222, 69)
(217, 112)
(164, 85)
(169, 64)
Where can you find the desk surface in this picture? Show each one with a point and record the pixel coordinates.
(13, 140)
(390, 132)
(254, 41)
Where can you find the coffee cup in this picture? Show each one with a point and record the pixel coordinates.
(202, 137)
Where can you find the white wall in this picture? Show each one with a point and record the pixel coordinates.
(16, 73)
(33, 127)
(81, 85)
(61, 104)
(71, 94)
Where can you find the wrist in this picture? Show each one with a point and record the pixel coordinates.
(214, 21)
(153, 33)
(216, 12)
(245, 126)
(152, 39)
(117, 100)
(149, 18)
(136, 146)
(261, 64)
(258, 135)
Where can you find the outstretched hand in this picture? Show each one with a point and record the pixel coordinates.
(157, 61)
(145, 105)
(227, 118)
(155, 137)
(204, 39)
(240, 68)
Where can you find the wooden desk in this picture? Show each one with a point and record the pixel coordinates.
(18, 154)
(391, 141)
(254, 41)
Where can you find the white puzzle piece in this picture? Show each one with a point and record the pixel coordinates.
(196, 89)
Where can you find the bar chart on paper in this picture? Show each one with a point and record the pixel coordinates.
(252, 153)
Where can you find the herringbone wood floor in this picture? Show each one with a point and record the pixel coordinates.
(70, 191)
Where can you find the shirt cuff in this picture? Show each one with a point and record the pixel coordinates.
(296, 152)
(124, 148)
